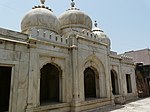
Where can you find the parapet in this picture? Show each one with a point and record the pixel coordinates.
(94, 37)
(126, 58)
(14, 35)
(48, 36)
(90, 35)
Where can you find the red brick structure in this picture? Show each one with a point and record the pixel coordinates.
(142, 79)
(139, 56)
(142, 60)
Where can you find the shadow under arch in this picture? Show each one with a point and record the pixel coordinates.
(52, 63)
(90, 83)
(94, 62)
(50, 84)
(114, 82)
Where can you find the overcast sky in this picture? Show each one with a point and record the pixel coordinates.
(126, 22)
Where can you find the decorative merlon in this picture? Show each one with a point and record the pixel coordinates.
(47, 36)
(126, 58)
(91, 35)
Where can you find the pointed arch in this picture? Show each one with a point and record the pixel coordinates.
(96, 66)
(95, 62)
(114, 82)
(50, 82)
(90, 83)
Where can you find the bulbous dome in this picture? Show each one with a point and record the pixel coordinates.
(74, 18)
(100, 33)
(40, 17)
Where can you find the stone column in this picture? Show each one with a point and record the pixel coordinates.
(74, 59)
(108, 77)
(33, 84)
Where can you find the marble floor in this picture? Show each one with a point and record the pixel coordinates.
(140, 105)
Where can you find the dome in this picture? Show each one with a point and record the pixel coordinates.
(100, 33)
(74, 18)
(40, 17)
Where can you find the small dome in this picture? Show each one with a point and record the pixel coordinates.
(40, 17)
(74, 18)
(100, 33)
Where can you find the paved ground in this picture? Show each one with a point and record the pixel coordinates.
(140, 105)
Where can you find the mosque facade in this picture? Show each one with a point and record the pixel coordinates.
(61, 64)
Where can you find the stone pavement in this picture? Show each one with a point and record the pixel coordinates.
(140, 105)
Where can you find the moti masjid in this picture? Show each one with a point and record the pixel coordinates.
(61, 64)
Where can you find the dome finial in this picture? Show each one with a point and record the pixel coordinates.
(42, 5)
(95, 24)
(73, 3)
(42, 1)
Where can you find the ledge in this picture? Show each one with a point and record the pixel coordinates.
(49, 107)
(93, 101)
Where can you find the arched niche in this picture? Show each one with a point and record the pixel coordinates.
(50, 84)
(91, 82)
(114, 82)
(93, 63)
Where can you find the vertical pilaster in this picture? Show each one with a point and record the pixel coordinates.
(74, 59)
(33, 84)
(108, 76)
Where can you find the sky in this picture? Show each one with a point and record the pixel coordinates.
(126, 22)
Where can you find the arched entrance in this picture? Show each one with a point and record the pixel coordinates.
(49, 84)
(89, 83)
(5, 83)
(114, 82)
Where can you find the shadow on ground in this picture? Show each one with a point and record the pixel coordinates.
(115, 107)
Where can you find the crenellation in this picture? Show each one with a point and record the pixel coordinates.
(41, 33)
(44, 34)
(33, 33)
(84, 33)
(47, 36)
(126, 58)
(53, 37)
(66, 41)
(91, 35)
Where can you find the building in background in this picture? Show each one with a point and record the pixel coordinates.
(142, 60)
(61, 64)
(143, 79)
(140, 56)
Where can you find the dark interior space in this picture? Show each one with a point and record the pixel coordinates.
(129, 86)
(89, 83)
(49, 89)
(5, 82)
(114, 82)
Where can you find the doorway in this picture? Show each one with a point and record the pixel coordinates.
(50, 81)
(5, 82)
(114, 82)
(89, 83)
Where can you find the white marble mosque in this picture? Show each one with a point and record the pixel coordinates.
(61, 64)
